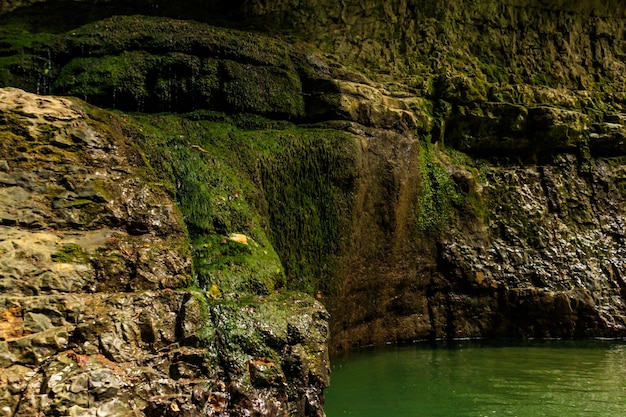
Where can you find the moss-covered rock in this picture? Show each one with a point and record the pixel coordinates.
(291, 185)
(464, 156)
(156, 64)
(100, 308)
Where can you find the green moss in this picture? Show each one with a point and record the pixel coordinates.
(102, 189)
(308, 186)
(438, 193)
(284, 317)
(117, 34)
(120, 78)
(209, 167)
(234, 267)
(544, 79)
(207, 332)
(155, 64)
(15, 38)
(152, 82)
(444, 198)
(247, 121)
(288, 186)
(25, 58)
(266, 90)
(70, 253)
(494, 72)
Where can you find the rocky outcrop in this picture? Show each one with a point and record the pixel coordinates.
(151, 64)
(98, 309)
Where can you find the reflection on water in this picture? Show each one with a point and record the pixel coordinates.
(540, 379)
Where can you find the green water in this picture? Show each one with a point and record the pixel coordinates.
(549, 379)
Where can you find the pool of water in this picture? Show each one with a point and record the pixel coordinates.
(540, 379)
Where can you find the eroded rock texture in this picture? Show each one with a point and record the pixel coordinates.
(425, 169)
(96, 314)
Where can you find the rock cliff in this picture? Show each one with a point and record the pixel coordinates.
(424, 169)
(100, 314)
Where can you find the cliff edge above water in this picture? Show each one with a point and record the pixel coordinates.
(426, 170)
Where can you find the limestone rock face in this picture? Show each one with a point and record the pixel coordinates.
(96, 312)
(426, 169)
(76, 213)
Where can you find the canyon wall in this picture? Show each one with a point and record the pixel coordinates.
(425, 170)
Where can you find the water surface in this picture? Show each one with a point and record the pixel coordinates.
(541, 379)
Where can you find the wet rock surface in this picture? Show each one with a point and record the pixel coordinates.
(460, 174)
(96, 314)
(551, 254)
(486, 247)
